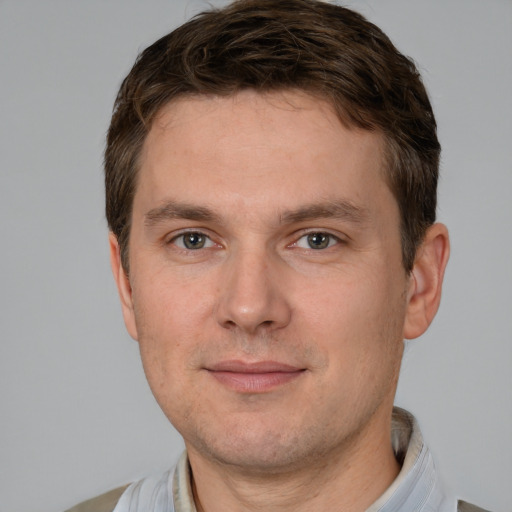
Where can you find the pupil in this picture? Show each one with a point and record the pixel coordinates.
(318, 240)
(194, 241)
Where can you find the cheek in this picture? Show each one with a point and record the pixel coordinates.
(357, 322)
(172, 321)
(168, 303)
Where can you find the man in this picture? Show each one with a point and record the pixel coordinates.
(271, 173)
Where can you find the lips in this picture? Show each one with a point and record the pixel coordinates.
(255, 377)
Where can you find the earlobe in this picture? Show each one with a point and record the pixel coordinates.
(426, 280)
(123, 286)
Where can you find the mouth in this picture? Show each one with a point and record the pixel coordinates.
(257, 377)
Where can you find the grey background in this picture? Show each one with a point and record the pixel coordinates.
(77, 417)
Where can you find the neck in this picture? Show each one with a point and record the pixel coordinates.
(349, 480)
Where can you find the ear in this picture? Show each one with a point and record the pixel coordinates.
(123, 286)
(426, 280)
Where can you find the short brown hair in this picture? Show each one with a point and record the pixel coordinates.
(267, 45)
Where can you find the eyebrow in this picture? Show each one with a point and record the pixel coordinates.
(339, 209)
(175, 210)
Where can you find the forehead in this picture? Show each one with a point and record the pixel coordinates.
(280, 148)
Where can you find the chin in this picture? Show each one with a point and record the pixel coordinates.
(263, 450)
(263, 459)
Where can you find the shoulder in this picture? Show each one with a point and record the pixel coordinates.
(108, 501)
(464, 506)
(104, 503)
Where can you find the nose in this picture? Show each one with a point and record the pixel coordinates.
(253, 294)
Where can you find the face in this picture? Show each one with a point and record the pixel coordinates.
(266, 285)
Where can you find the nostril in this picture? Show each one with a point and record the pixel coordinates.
(229, 324)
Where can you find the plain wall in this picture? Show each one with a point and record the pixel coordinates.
(77, 417)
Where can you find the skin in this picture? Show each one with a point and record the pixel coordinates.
(276, 361)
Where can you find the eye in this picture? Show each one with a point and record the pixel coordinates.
(316, 240)
(192, 240)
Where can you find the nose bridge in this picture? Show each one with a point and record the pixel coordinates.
(251, 295)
